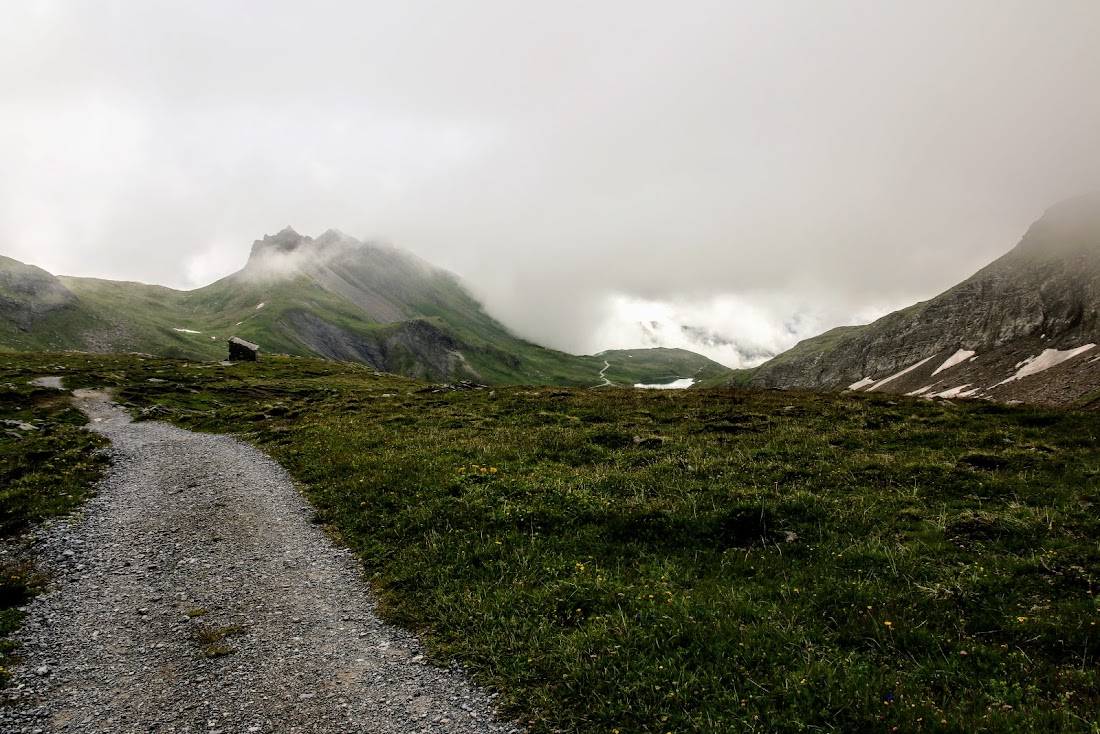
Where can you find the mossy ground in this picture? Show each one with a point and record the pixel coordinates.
(694, 561)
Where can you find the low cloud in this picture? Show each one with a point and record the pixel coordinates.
(733, 330)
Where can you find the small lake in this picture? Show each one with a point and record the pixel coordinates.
(674, 385)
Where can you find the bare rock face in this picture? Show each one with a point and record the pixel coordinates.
(415, 348)
(1043, 295)
(28, 293)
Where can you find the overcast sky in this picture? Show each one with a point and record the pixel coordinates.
(760, 171)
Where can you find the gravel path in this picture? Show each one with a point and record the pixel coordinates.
(194, 595)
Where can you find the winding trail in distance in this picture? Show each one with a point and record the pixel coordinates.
(194, 594)
(606, 382)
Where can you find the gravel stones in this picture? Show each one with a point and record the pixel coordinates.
(194, 595)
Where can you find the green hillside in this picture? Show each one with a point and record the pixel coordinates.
(331, 297)
(628, 367)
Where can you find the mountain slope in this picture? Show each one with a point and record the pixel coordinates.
(657, 365)
(339, 298)
(1019, 329)
(28, 294)
(333, 297)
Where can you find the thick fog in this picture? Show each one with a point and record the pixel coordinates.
(601, 174)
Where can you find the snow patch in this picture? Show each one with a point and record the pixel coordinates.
(955, 392)
(957, 358)
(260, 305)
(185, 331)
(921, 391)
(862, 383)
(674, 385)
(896, 375)
(1049, 358)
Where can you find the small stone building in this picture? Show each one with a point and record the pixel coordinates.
(242, 351)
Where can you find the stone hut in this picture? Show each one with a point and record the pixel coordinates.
(242, 351)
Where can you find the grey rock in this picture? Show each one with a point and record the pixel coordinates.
(18, 425)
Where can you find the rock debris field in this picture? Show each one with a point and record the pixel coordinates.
(194, 595)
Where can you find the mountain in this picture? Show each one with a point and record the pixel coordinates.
(27, 293)
(332, 297)
(1024, 328)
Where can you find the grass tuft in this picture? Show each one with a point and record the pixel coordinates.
(211, 638)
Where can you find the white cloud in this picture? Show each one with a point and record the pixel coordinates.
(735, 330)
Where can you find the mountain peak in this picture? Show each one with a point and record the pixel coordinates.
(288, 253)
(286, 239)
(332, 234)
(1070, 227)
(283, 242)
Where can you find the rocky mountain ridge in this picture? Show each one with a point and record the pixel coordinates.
(1022, 328)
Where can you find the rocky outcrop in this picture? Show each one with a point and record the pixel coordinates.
(420, 349)
(1043, 295)
(415, 348)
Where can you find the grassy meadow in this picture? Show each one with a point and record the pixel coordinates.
(688, 561)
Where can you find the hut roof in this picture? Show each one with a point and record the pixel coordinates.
(243, 343)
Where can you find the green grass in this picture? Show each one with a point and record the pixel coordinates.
(211, 639)
(628, 367)
(696, 561)
(44, 472)
(729, 378)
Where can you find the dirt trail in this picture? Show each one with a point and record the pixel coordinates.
(195, 595)
(606, 382)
